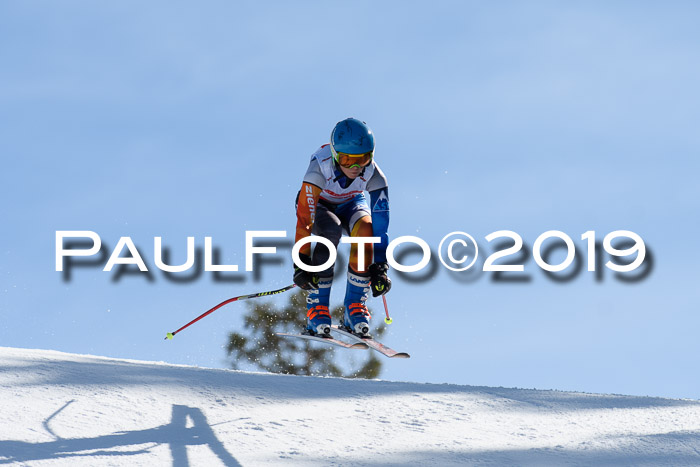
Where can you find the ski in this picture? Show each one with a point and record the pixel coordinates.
(326, 340)
(371, 343)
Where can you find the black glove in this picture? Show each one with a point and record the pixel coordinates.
(305, 279)
(379, 282)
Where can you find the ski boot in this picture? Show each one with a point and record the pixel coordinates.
(319, 321)
(356, 319)
(319, 318)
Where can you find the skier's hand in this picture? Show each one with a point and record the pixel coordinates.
(379, 282)
(304, 279)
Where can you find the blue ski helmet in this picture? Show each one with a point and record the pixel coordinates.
(351, 136)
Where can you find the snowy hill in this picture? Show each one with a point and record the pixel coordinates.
(65, 409)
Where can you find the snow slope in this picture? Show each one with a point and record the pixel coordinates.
(65, 409)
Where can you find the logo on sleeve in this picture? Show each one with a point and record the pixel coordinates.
(382, 203)
(310, 202)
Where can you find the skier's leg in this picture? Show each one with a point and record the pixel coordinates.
(327, 225)
(357, 290)
(359, 224)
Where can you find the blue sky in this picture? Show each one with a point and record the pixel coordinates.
(171, 119)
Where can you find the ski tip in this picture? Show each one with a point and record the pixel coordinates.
(401, 355)
(169, 336)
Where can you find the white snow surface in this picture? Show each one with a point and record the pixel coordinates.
(66, 409)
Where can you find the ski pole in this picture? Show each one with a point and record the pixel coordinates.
(170, 335)
(388, 319)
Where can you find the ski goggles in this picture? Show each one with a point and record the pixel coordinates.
(354, 160)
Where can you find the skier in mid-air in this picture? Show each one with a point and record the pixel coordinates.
(332, 202)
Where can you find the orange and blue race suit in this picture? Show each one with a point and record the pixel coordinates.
(330, 204)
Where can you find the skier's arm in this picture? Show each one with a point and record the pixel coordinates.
(306, 212)
(378, 189)
(380, 283)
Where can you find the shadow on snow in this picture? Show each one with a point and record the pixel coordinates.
(175, 434)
